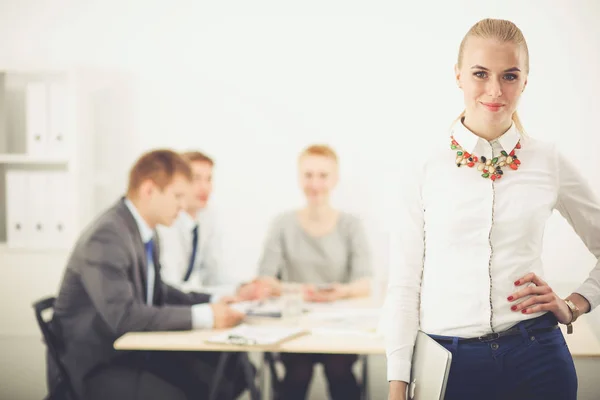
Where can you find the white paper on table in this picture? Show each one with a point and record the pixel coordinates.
(361, 321)
(262, 308)
(345, 332)
(256, 306)
(256, 335)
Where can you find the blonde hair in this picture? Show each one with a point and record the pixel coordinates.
(503, 31)
(322, 150)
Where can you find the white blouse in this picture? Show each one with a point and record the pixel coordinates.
(466, 239)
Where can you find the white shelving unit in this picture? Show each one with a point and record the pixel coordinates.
(100, 123)
(38, 206)
(25, 159)
(59, 130)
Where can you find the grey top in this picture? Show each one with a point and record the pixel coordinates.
(294, 255)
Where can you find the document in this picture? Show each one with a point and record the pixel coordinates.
(254, 335)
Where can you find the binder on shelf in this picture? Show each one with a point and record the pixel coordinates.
(3, 127)
(57, 120)
(38, 191)
(60, 220)
(39, 209)
(17, 219)
(36, 117)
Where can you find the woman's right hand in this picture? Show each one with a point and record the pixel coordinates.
(397, 390)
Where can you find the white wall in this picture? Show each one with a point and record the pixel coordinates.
(251, 83)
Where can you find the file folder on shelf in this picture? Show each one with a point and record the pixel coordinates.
(17, 220)
(36, 118)
(58, 139)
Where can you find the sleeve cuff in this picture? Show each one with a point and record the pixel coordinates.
(398, 370)
(590, 293)
(202, 316)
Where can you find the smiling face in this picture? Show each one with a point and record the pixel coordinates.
(201, 186)
(317, 177)
(492, 75)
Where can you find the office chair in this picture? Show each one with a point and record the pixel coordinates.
(63, 389)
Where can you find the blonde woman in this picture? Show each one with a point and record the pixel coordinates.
(472, 275)
(327, 250)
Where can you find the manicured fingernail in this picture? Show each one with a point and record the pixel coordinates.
(517, 283)
(524, 311)
(514, 308)
(510, 298)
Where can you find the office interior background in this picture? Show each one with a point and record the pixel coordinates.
(251, 84)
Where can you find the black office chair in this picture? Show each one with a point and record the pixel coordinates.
(63, 389)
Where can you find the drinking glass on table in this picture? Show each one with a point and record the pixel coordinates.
(292, 300)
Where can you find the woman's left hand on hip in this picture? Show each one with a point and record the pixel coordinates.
(539, 297)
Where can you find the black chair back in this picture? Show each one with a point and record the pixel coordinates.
(62, 390)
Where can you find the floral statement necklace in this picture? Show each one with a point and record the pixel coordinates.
(491, 169)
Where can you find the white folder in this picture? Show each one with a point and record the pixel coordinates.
(62, 202)
(430, 369)
(3, 127)
(36, 116)
(17, 202)
(57, 119)
(37, 192)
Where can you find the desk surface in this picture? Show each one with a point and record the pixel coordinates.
(195, 341)
(582, 343)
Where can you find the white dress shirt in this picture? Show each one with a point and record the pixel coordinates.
(147, 234)
(202, 315)
(209, 273)
(465, 240)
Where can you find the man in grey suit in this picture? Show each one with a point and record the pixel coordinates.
(112, 285)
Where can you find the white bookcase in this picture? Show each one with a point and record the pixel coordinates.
(36, 148)
(50, 125)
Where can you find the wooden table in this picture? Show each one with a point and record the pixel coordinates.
(363, 342)
(195, 341)
(584, 342)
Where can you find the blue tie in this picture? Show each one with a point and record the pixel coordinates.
(193, 255)
(150, 271)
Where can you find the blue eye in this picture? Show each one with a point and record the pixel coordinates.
(511, 77)
(480, 74)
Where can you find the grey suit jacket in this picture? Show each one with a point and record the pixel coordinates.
(103, 291)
